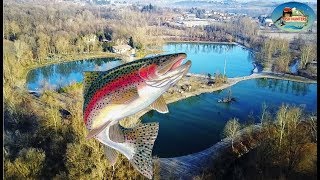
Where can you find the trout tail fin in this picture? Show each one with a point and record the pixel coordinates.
(142, 137)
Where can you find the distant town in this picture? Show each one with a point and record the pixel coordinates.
(196, 13)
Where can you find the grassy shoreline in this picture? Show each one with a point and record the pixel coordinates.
(75, 57)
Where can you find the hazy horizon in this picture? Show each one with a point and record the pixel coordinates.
(173, 1)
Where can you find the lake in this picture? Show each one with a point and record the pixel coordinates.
(206, 58)
(212, 58)
(59, 75)
(196, 123)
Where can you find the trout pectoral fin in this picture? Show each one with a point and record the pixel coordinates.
(127, 96)
(111, 155)
(160, 105)
(96, 131)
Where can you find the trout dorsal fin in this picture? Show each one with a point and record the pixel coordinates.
(89, 77)
(111, 155)
(160, 105)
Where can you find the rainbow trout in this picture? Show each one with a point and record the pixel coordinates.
(118, 93)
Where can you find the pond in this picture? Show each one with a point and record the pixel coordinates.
(215, 58)
(206, 58)
(196, 123)
(63, 74)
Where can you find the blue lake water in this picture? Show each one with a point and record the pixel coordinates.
(62, 74)
(212, 58)
(206, 58)
(196, 123)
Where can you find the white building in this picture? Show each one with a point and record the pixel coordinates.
(121, 48)
(268, 22)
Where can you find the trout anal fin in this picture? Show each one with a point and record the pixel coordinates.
(160, 105)
(111, 155)
(116, 133)
(143, 137)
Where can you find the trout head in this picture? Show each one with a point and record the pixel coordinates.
(164, 70)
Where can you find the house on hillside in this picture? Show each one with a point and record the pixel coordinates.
(121, 48)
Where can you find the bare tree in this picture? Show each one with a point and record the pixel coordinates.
(308, 54)
(231, 129)
(313, 123)
(282, 121)
(62, 45)
(294, 117)
(22, 50)
(43, 46)
(14, 27)
(263, 113)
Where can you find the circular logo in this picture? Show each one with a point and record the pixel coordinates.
(293, 16)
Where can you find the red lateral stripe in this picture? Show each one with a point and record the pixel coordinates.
(122, 81)
(113, 85)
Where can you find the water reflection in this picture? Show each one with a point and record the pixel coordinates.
(207, 48)
(213, 58)
(59, 75)
(284, 86)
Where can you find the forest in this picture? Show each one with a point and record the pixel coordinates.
(287, 150)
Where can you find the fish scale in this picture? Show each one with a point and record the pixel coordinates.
(101, 83)
(116, 72)
(110, 75)
(109, 88)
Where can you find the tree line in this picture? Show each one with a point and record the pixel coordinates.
(287, 149)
